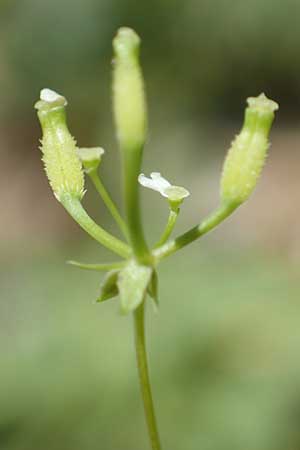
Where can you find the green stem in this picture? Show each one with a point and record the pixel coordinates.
(108, 201)
(131, 167)
(97, 267)
(76, 210)
(169, 228)
(142, 364)
(194, 233)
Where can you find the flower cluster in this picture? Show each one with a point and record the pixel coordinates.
(134, 278)
(66, 165)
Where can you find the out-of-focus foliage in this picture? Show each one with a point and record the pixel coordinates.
(224, 358)
(204, 54)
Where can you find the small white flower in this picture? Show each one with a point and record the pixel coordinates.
(49, 96)
(164, 187)
(156, 182)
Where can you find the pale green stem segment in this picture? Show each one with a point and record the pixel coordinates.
(108, 202)
(141, 355)
(97, 267)
(76, 210)
(131, 166)
(169, 227)
(207, 225)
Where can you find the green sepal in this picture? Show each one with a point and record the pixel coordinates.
(153, 288)
(109, 287)
(90, 158)
(133, 282)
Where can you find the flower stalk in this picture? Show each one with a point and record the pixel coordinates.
(91, 160)
(109, 203)
(208, 224)
(78, 213)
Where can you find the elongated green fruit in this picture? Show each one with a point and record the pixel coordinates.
(128, 87)
(62, 164)
(246, 157)
(64, 169)
(130, 117)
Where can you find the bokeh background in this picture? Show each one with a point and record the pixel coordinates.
(224, 347)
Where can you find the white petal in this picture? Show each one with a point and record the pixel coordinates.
(161, 185)
(147, 182)
(49, 96)
(156, 182)
(160, 181)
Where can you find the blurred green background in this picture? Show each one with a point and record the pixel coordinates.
(224, 347)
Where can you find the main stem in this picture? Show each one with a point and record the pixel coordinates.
(141, 356)
(132, 165)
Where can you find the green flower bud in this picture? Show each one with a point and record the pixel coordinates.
(246, 157)
(129, 96)
(90, 158)
(62, 164)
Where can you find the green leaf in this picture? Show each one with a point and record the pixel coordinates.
(109, 287)
(133, 283)
(153, 287)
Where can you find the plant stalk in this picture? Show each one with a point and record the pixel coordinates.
(108, 202)
(76, 210)
(169, 228)
(191, 235)
(131, 167)
(142, 364)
